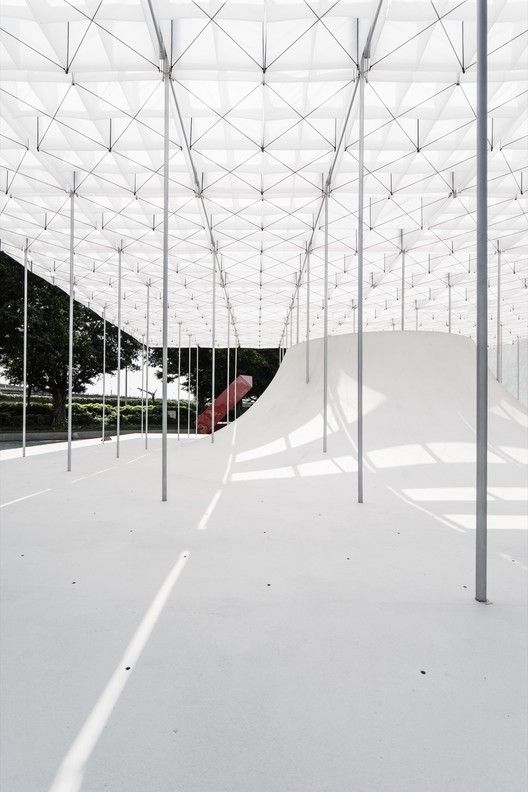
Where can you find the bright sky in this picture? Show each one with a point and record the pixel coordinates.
(134, 385)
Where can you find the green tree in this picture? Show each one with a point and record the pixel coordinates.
(261, 364)
(48, 323)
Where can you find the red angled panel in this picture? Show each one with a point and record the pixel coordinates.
(225, 402)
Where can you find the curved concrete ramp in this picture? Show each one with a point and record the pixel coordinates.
(419, 419)
(262, 631)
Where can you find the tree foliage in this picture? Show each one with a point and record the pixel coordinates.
(48, 323)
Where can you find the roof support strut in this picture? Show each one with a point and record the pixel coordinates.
(157, 36)
(482, 302)
(338, 153)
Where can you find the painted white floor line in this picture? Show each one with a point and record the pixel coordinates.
(90, 475)
(136, 459)
(202, 525)
(17, 500)
(70, 774)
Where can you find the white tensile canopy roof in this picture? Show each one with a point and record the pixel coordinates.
(260, 101)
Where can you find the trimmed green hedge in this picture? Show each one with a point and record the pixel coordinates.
(89, 414)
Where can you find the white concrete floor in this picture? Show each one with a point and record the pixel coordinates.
(261, 631)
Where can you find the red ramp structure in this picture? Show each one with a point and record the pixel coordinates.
(224, 403)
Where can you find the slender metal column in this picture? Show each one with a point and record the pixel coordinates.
(448, 302)
(24, 351)
(402, 282)
(482, 302)
(325, 329)
(416, 311)
(147, 351)
(499, 334)
(196, 396)
(291, 326)
(165, 295)
(213, 350)
(118, 415)
(307, 316)
(297, 308)
(518, 368)
(104, 378)
(179, 374)
(70, 327)
(228, 361)
(236, 375)
(142, 382)
(189, 395)
(361, 174)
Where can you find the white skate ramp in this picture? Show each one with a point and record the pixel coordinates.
(419, 422)
(262, 631)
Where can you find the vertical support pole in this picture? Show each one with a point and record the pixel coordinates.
(147, 351)
(307, 316)
(142, 382)
(236, 375)
(179, 374)
(361, 160)
(24, 351)
(118, 415)
(482, 303)
(213, 350)
(70, 327)
(499, 334)
(402, 282)
(416, 311)
(228, 361)
(448, 302)
(165, 295)
(291, 326)
(297, 307)
(325, 328)
(103, 421)
(189, 395)
(518, 368)
(196, 395)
